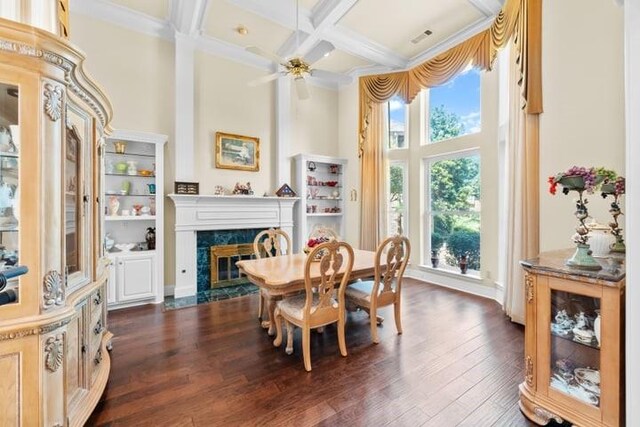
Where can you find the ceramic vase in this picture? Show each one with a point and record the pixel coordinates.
(463, 264)
(582, 258)
(596, 327)
(600, 241)
(132, 167)
(435, 260)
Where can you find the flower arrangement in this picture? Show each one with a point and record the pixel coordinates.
(312, 243)
(581, 180)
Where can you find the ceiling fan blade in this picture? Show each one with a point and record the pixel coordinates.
(261, 52)
(321, 50)
(262, 80)
(301, 88)
(330, 76)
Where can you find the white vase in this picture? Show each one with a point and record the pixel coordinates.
(596, 327)
(600, 240)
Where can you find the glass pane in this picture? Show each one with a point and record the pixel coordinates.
(455, 184)
(73, 199)
(454, 235)
(9, 177)
(397, 197)
(397, 123)
(454, 108)
(575, 346)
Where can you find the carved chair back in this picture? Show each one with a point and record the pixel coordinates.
(268, 243)
(394, 252)
(334, 267)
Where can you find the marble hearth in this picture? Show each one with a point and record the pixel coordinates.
(201, 213)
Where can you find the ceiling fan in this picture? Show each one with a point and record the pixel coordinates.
(299, 66)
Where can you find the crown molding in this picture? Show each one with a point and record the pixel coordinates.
(452, 41)
(487, 7)
(123, 17)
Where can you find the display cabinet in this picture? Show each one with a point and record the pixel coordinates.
(134, 217)
(320, 183)
(53, 325)
(574, 342)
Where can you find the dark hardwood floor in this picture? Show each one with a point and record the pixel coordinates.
(459, 362)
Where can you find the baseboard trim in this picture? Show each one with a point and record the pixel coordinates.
(473, 287)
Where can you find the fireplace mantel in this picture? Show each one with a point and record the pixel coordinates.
(207, 212)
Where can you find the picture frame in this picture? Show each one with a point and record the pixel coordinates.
(237, 152)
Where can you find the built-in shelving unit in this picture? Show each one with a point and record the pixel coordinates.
(133, 180)
(319, 182)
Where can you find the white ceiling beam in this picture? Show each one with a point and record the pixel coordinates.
(232, 51)
(187, 16)
(487, 7)
(123, 17)
(361, 47)
(281, 12)
(326, 15)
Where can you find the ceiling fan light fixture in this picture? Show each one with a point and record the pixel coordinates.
(301, 88)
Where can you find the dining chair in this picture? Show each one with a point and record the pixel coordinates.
(385, 288)
(269, 243)
(326, 273)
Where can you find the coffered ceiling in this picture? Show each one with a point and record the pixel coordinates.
(365, 35)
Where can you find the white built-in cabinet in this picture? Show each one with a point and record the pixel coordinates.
(137, 274)
(320, 183)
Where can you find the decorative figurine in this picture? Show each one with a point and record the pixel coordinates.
(242, 189)
(114, 206)
(150, 237)
(132, 167)
(218, 190)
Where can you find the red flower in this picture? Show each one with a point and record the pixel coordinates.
(553, 185)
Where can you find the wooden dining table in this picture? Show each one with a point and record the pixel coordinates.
(282, 275)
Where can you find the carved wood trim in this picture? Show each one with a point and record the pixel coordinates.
(528, 285)
(54, 352)
(528, 363)
(544, 416)
(53, 291)
(66, 65)
(53, 95)
(35, 331)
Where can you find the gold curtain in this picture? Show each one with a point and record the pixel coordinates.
(372, 172)
(518, 20)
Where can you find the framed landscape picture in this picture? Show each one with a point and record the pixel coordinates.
(237, 152)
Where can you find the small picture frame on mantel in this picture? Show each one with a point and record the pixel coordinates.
(181, 187)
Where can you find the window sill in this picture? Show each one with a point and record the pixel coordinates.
(470, 283)
(471, 276)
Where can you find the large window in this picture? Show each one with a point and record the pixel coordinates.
(397, 197)
(397, 123)
(453, 211)
(454, 108)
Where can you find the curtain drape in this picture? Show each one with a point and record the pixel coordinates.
(372, 172)
(522, 193)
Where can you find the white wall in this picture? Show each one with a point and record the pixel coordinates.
(348, 149)
(224, 102)
(583, 90)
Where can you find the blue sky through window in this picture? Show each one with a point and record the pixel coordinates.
(460, 96)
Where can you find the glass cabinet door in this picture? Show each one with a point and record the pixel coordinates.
(575, 346)
(9, 176)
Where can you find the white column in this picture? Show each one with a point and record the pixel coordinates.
(184, 108)
(283, 131)
(632, 238)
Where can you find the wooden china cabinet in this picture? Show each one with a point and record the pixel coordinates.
(54, 362)
(574, 342)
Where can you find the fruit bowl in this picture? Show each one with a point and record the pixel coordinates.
(145, 172)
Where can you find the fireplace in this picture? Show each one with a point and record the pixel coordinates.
(203, 221)
(217, 252)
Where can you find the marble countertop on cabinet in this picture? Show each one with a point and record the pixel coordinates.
(553, 264)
